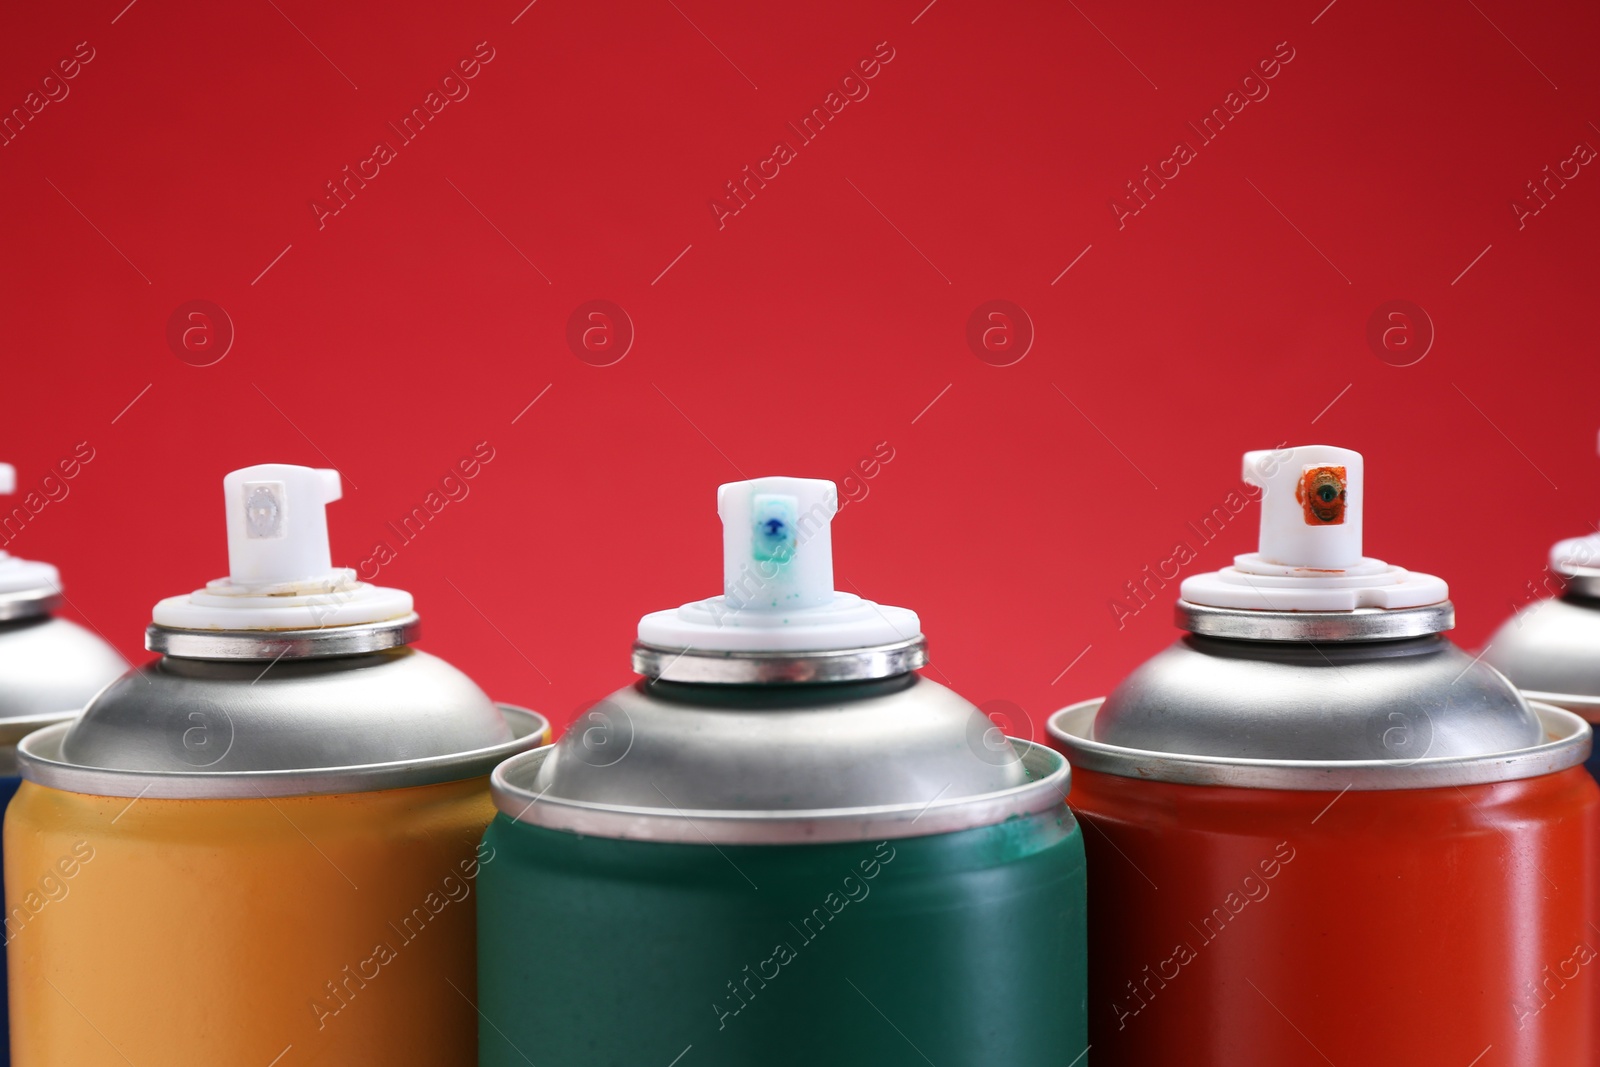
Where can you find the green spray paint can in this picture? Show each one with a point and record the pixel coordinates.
(782, 845)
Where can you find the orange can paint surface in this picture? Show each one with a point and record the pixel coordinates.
(334, 930)
(1233, 927)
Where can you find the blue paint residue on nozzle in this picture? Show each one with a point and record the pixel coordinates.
(772, 518)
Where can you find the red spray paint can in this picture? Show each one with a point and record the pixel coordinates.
(1318, 832)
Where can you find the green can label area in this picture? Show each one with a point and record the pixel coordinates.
(772, 519)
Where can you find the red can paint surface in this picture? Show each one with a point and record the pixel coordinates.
(1237, 927)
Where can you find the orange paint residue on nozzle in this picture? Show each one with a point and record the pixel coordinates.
(1322, 493)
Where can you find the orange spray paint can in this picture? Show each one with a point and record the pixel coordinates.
(262, 847)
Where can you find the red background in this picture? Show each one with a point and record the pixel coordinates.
(821, 320)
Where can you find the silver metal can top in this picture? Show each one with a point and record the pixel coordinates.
(780, 711)
(1551, 647)
(191, 727)
(49, 668)
(1551, 651)
(666, 761)
(1404, 699)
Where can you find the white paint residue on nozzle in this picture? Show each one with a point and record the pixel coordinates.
(777, 581)
(1309, 557)
(22, 575)
(280, 570)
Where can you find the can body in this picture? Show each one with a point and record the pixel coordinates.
(1381, 927)
(8, 789)
(965, 947)
(1592, 764)
(201, 932)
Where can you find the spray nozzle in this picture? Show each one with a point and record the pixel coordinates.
(777, 581)
(777, 544)
(23, 577)
(280, 569)
(278, 523)
(1309, 557)
(1310, 505)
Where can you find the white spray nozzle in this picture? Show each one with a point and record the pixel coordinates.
(22, 576)
(278, 523)
(777, 581)
(777, 545)
(1310, 505)
(1310, 550)
(280, 569)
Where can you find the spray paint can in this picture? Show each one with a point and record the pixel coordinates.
(1319, 832)
(262, 846)
(1551, 647)
(49, 668)
(782, 845)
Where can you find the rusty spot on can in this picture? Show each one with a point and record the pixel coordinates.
(1322, 493)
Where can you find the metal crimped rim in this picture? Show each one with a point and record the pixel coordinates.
(1586, 708)
(17, 727)
(1048, 772)
(38, 757)
(352, 640)
(1362, 624)
(29, 603)
(1567, 745)
(723, 668)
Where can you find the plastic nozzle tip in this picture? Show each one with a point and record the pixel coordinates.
(1311, 505)
(278, 523)
(777, 546)
(8, 479)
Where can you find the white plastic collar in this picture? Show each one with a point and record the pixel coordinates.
(1576, 555)
(777, 581)
(1310, 549)
(22, 575)
(280, 570)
